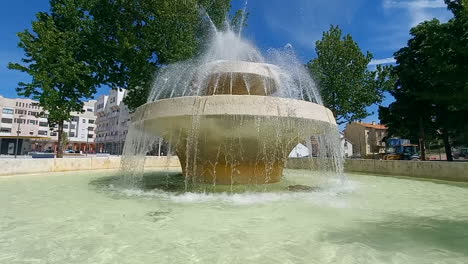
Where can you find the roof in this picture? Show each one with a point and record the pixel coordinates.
(376, 126)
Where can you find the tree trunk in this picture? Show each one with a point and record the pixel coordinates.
(448, 147)
(422, 139)
(59, 139)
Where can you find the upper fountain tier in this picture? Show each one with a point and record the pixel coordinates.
(239, 78)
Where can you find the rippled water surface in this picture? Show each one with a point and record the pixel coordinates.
(83, 218)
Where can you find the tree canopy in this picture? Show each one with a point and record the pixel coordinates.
(341, 71)
(131, 39)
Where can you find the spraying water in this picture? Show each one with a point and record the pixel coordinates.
(218, 140)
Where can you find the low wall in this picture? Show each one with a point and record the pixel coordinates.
(29, 166)
(440, 170)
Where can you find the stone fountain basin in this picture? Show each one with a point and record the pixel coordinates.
(233, 139)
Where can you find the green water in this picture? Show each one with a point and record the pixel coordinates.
(82, 218)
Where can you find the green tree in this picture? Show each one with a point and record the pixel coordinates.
(132, 39)
(431, 91)
(404, 118)
(341, 71)
(55, 58)
(457, 56)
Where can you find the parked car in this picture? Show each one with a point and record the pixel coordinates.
(461, 153)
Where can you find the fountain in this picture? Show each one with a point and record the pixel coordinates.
(232, 116)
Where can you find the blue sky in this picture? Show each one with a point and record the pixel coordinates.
(379, 26)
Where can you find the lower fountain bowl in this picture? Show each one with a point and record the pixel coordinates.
(233, 139)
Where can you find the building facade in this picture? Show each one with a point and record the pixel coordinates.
(113, 119)
(368, 139)
(24, 127)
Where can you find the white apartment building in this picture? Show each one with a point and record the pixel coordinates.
(21, 121)
(81, 129)
(112, 122)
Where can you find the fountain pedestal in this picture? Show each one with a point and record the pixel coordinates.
(233, 139)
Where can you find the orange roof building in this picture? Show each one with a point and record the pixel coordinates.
(367, 138)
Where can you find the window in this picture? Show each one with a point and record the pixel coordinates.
(91, 121)
(84, 121)
(90, 128)
(72, 126)
(7, 120)
(72, 134)
(42, 132)
(20, 121)
(53, 134)
(20, 112)
(89, 109)
(31, 133)
(5, 130)
(90, 136)
(65, 126)
(32, 122)
(7, 111)
(43, 124)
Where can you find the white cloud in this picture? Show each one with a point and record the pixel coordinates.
(414, 4)
(382, 61)
(419, 10)
(399, 16)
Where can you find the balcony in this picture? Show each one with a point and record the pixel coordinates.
(11, 116)
(6, 125)
(5, 132)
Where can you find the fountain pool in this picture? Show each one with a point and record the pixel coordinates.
(80, 217)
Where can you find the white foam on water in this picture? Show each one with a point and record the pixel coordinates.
(332, 196)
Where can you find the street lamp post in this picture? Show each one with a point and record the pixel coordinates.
(87, 142)
(18, 132)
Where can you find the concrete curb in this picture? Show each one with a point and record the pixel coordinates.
(439, 170)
